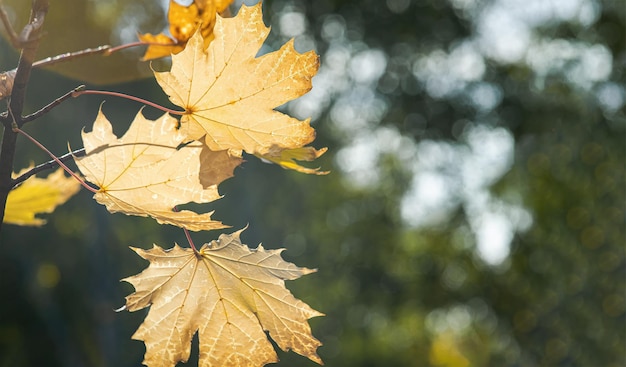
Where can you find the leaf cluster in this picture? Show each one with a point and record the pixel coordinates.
(227, 293)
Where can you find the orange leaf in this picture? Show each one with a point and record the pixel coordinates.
(184, 20)
(159, 46)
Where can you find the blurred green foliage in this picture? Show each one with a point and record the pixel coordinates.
(402, 76)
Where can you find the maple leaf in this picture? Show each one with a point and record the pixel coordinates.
(230, 95)
(287, 159)
(38, 195)
(184, 20)
(227, 293)
(148, 173)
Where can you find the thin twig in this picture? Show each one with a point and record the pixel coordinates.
(125, 46)
(51, 105)
(47, 165)
(4, 17)
(7, 78)
(126, 96)
(57, 160)
(71, 55)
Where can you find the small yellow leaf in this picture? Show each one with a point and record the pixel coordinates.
(159, 46)
(38, 195)
(231, 95)
(148, 173)
(287, 159)
(229, 294)
(184, 20)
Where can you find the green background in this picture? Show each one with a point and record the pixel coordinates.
(474, 215)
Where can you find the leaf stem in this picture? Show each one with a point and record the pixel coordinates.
(187, 234)
(111, 50)
(133, 98)
(56, 159)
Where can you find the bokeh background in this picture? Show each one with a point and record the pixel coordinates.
(474, 216)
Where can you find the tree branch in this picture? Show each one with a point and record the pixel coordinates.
(31, 33)
(71, 55)
(51, 105)
(30, 36)
(13, 37)
(48, 165)
(7, 153)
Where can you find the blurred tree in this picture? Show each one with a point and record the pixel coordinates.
(474, 216)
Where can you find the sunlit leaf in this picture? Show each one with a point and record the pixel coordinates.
(147, 173)
(287, 159)
(231, 95)
(183, 22)
(227, 293)
(38, 195)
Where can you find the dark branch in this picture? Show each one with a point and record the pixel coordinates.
(13, 37)
(31, 32)
(31, 35)
(51, 105)
(48, 165)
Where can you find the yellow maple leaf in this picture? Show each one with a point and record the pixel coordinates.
(38, 195)
(184, 20)
(159, 45)
(230, 95)
(148, 173)
(287, 159)
(227, 293)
